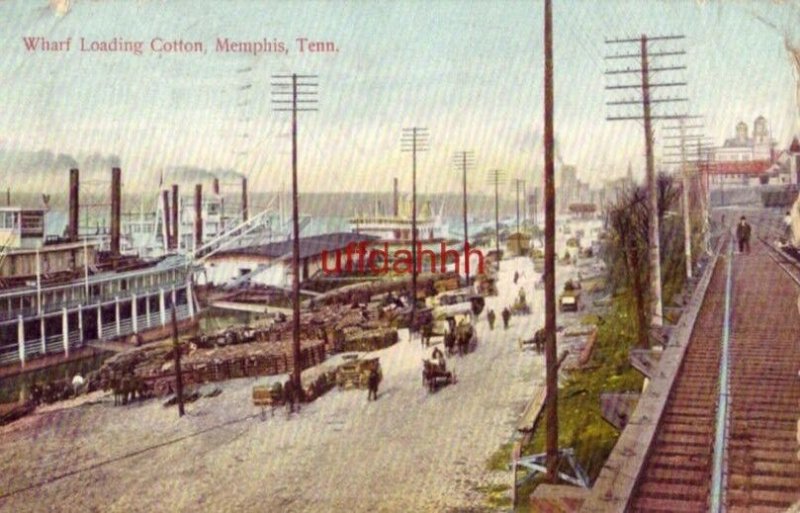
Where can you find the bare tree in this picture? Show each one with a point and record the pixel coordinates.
(628, 221)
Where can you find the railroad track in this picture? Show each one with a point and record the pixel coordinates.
(731, 444)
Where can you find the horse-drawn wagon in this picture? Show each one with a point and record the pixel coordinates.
(463, 296)
(435, 374)
(354, 372)
(569, 300)
(520, 306)
(536, 343)
(454, 322)
(268, 396)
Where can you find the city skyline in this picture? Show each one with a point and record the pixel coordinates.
(468, 71)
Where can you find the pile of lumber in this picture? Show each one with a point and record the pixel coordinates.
(357, 339)
(155, 364)
(362, 292)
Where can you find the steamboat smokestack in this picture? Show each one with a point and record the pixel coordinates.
(116, 208)
(165, 220)
(244, 199)
(216, 186)
(396, 200)
(74, 188)
(198, 215)
(175, 228)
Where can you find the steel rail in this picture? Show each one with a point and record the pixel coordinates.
(719, 474)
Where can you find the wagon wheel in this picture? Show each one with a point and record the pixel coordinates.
(161, 387)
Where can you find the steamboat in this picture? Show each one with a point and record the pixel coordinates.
(59, 295)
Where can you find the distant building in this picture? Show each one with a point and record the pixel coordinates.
(271, 264)
(518, 244)
(535, 204)
(793, 161)
(744, 159)
(612, 189)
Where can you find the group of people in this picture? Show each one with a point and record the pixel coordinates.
(492, 318)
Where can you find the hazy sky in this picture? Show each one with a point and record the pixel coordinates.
(470, 71)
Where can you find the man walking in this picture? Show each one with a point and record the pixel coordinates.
(743, 235)
(506, 317)
(289, 395)
(372, 382)
(787, 228)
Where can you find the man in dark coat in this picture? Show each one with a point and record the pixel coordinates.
(491, 317)
(506, 317)
(743, 235)
(289, 395)
(372, 383)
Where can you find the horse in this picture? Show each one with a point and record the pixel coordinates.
(449, 342)
(464, 335)
(427, 333)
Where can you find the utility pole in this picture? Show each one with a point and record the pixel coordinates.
(176, 347)
(550, 357)
(465, 160)
(687, 221)
(414, 140)
(295, 93)
(683, 163)
(496, 178)
(703, 163)
(517, 182)
(646, 102)
(525, 204)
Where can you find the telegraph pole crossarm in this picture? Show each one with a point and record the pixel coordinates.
(496, 178)
(414, 140)
(644, 70)
(683, 162)
(465, 160)
(295, 93)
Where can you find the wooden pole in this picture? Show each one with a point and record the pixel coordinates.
(296, 368)
(177, 349)
(551, 363)
(496, 218)
(652, 190)
(466, 233)
(414, 228)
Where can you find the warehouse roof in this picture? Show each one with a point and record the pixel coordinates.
(309, 246)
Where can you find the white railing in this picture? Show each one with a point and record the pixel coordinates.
(231, 236)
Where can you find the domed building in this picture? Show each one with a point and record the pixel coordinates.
(744, 158)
